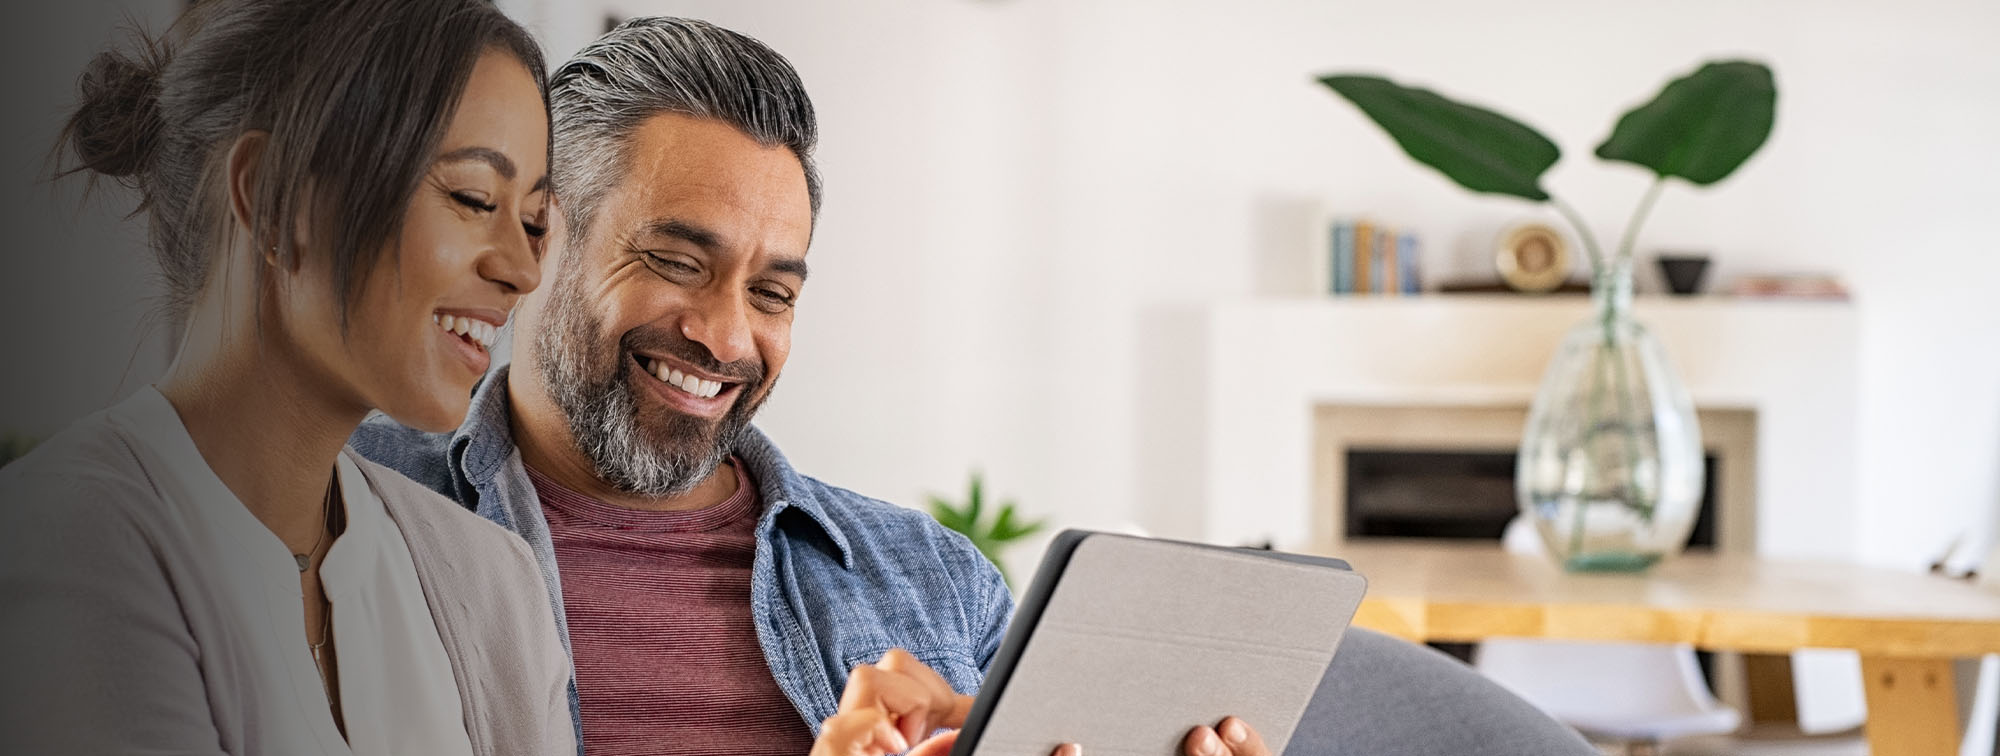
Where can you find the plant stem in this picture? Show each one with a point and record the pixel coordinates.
(1582, 231)
(1639, 217)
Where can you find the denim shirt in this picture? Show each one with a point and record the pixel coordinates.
(837, 579)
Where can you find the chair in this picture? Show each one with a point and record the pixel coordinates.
(1979, 679)
(1635, 693)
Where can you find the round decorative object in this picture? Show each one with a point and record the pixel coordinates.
(1532, 258)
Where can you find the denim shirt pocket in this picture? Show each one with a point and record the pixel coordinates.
(954, 665)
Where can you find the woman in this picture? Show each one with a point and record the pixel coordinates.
(345, 201)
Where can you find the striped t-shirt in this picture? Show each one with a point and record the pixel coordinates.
(658, 603)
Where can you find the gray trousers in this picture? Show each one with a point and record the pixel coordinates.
(1387, 697)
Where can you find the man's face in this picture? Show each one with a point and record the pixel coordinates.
(669, 322)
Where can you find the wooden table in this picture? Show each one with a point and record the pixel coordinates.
(1907, 627)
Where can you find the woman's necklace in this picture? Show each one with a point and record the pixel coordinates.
(326, 523)
(332, 519)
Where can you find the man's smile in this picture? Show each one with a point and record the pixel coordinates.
(685, 389)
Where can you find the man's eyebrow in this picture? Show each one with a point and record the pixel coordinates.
(688, 232)
(793, 265)
(501, 164)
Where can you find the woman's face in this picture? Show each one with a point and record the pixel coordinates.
(419, 331)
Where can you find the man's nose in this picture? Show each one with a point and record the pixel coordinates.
(721, 322)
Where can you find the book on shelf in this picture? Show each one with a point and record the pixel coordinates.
(1385, 262)
(1406, 255)
(1343, 258)
(1365, 257)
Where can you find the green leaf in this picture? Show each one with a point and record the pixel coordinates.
(1702, 126)
(949, 516)
(972, 502)
(1006, 529)
(1482, 150)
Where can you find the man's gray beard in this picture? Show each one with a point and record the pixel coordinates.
(589, 385)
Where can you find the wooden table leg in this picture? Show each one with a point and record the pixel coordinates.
(1767, 679)
(1912, 706)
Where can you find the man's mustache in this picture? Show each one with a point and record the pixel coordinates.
(670, 343)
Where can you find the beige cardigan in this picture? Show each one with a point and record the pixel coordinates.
(486, 597)
(109, 637)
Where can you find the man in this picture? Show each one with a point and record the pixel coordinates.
(714, 600)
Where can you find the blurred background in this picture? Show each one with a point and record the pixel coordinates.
(1084, 248)
(1035, 207)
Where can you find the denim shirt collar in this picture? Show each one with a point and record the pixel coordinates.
(486, 441)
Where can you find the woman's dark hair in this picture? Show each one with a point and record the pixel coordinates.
(355, 94)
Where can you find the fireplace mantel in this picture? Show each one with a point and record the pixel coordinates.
(1270, 365)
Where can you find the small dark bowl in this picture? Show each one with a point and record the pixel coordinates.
(1683, 273)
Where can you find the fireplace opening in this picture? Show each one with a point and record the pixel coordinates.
(1456, 494)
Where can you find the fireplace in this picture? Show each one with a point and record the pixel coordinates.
(1446, 471)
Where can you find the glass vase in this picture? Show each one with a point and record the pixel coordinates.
(1610, 469)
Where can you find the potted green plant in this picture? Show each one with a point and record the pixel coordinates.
(990, 536)
(1610, 468)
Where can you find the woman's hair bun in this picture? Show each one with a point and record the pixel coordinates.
(117, 124)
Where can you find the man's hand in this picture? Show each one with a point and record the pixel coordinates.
(894, 702)
(1229, 737)
(890, 704)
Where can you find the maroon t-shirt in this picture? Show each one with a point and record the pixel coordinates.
(667, 660)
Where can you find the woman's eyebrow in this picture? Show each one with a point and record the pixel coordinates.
(501, 164)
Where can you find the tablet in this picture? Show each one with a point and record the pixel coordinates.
(1123, 644)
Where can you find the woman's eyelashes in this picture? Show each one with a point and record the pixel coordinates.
(474, 201)
(533, 227)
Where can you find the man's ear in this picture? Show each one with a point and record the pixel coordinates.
(246, 156)
(558, 233)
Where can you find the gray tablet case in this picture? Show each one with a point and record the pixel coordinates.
(1123, 644)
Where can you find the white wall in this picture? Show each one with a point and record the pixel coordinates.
(1024, 195)
(1021, 193)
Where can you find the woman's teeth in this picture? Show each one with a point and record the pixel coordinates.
(479, 331)
(687, 383)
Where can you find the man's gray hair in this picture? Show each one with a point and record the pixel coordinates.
(653, 65)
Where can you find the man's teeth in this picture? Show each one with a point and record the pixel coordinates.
(688, 383)
(480, 331)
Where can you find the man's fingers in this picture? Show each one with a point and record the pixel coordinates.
(1202, 741)
(866, 732)
(1240, 738)
(945, 708)
(917, 699)
(900, 661)
(870, 687)
(1068, 749)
